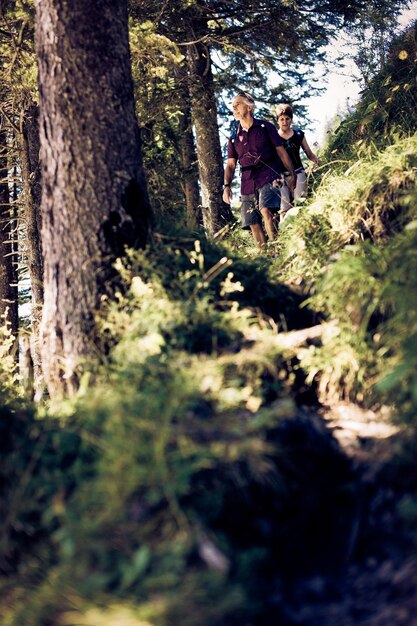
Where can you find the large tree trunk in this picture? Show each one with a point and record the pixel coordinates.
(216, 214)
(29, 149)
(94, 199)
(8, 286)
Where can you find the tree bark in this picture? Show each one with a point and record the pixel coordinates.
(190, 169)
(8, 284)
(29, 149)
(31, 178)
(94, 199)
(216, 214)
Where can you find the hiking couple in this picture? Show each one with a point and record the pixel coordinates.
(270, 165)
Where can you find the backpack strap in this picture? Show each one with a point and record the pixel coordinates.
(234, 125)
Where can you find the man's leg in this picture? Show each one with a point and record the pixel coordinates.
(258, 234)
(269, 203)
(251, 218)
(269, 223)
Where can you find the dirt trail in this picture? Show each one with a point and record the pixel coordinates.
(379, 584)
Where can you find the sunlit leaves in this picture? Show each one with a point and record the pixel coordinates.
(19, 76)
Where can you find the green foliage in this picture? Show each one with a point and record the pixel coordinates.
(37, 469)
(9, 370)
(242, 46)
(350, 292)
(159, 96)
(386, 110)
(183, 486)
(19, 69)
(398, 338)
(367, 201)
(197, 273)
(162, 521)
(303, 244)
(352, 247)
(373, 36)
(133, 484)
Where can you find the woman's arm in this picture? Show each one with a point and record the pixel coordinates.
(310, 154)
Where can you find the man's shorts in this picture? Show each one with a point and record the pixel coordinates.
(266, 197)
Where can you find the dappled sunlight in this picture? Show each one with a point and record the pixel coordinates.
(113, 615)
(352, 424)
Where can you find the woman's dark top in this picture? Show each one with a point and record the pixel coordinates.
(293, 145)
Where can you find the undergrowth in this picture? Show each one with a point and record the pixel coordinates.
(138, 485)
(369, 201)
(344, 249)
(350, 247)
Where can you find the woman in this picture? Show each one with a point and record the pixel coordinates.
(294, 139)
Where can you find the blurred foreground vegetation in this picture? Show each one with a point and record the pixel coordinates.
(191, 480)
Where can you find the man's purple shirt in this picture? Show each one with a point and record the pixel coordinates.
(256, 147)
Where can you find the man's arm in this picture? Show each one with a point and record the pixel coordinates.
(283, 155)
(229, 172)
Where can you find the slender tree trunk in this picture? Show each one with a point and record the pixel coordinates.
(29, 149)
(29, 142)
(94, 199)
(216, 213)
(188, 156)
(8, 285)
(190, 169)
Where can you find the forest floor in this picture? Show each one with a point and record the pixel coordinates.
(378, 585)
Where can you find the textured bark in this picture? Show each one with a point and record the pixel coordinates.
(190, 169)
(31, 177)
(32, 189)
(216, 213)
(94, 199)
(8, 285)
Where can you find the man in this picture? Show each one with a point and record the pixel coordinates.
(262, 158)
